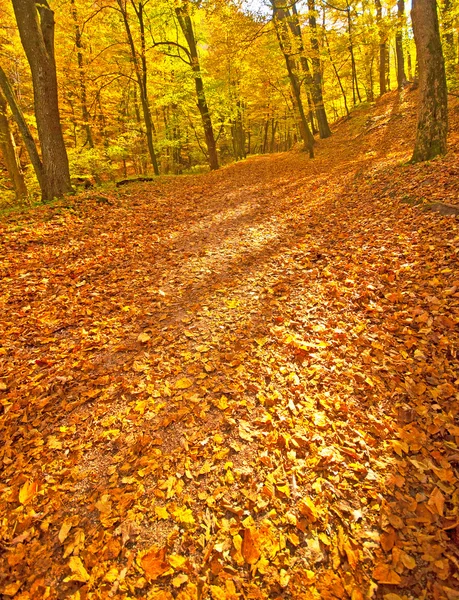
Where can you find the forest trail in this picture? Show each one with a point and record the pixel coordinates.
(238, 385)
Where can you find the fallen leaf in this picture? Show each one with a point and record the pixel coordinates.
(154, 563)
(384, 574)
(79, 573)
(28, 491)
(250, 546)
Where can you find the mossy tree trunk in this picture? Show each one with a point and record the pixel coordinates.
(432, 125)
(35, 21)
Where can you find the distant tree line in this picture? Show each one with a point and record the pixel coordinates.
(93, 90)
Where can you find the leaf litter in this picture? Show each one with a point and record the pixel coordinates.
(237, 385)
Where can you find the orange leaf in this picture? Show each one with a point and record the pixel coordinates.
(250, 546)
(437, 501)
(384, 574)
(154, 563)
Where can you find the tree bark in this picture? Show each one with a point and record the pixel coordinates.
(140, 68)
(449, 46)
(401, 77)
(432, 127)
(382, 49)
(36, 29)
(186, 25)
(7, 149)
(82, 77)
(279, 18)
(355, 83)
(317, 96)
(27, 138)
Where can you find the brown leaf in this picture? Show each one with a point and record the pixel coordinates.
(384, 574)
(437, 501)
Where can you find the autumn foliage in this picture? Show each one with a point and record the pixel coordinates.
(242, 384)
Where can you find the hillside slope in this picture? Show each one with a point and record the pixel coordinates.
(238, 385)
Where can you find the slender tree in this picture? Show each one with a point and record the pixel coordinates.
(7, 149)
(27, 137)
(282, 31)
(432, 127)
(401, 77)
(382, 48)
(82, 76)
(35, 22)
(449, 46)
(139, 61)
(182, 12)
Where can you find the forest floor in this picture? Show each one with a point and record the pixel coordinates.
(237, 385)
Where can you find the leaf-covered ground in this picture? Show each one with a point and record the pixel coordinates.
(238, 385)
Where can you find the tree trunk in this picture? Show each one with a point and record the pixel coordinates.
(335, 69)
(36, 28)
(82, 77)
(186, 26)
(279, 17)
(432, 125)
(382, 49)
(449, 47)
(140, 68)
(27, 138)
(322, 122)
(401, 77)
(7, 149)
(355, 83)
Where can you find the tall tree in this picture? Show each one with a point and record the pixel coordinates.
(280, 17)
(449, 46)
(35, 22)
(432, 127)
(139, 61)
(401, 77)
(7, 149)
(182, 11)
(382, 48)
(27, 137)
(81, 75)
(313, 81)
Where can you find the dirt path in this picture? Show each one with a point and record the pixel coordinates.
(237, 385)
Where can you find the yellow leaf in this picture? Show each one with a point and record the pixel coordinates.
(78, 570)
(284, 578)
(217, 592)
(183, 384)
(400, 447)
(222, 403)
(232, 303)
(392, 597)
(143, 338)
(184, 516)
(11, 589)
(104, 505)
(308, 509)
(384, 574)
(161, 512)
(112, 575)
(176, 561)
(66, 526)
(179, 580)
(54, 443)
(28, 491)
